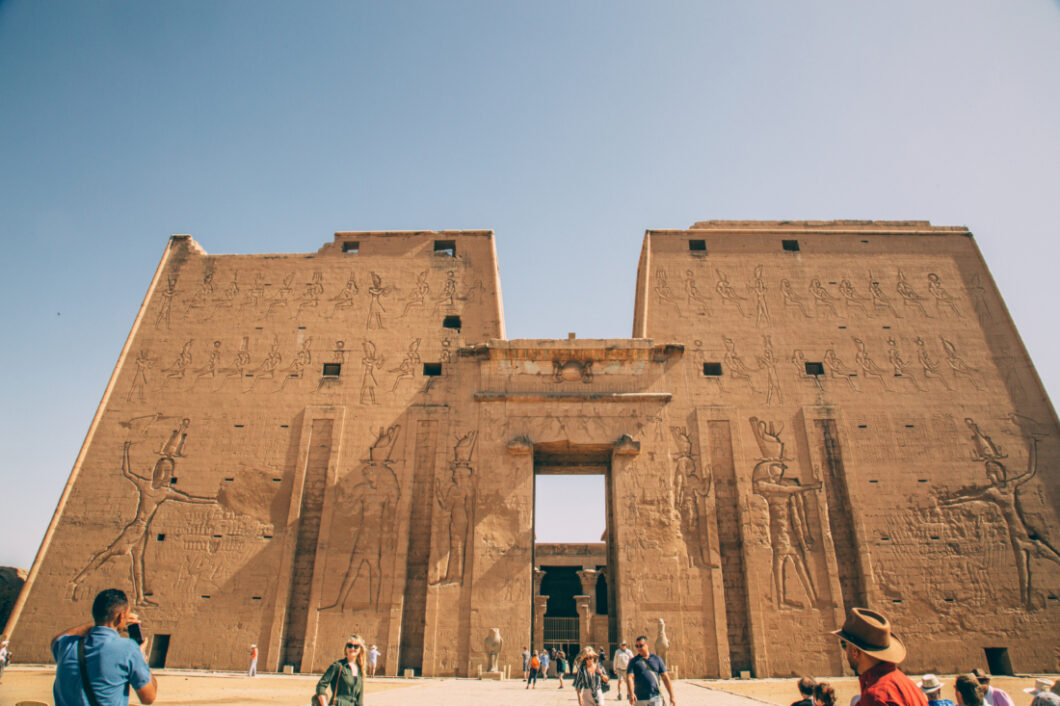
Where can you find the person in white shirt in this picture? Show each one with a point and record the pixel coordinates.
(373, 660)
(619, 663)
(992, 697)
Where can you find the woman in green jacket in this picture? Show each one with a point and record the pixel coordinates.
(345, 677)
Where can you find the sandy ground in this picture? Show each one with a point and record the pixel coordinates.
(189, 688)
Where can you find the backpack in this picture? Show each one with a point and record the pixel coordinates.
(535, 663)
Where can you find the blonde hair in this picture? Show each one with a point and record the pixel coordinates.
(585, 654)
(358, 640)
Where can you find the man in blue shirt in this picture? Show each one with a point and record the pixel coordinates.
(113, 663)
(643, 674)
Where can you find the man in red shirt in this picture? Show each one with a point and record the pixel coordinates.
(874, 654)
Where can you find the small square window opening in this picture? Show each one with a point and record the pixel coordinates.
(790, 245)
(351, 246)
(332, 370)
(445, 248)
(432, 369)
(712, 369)
(452, 322)
(697, 246)
(814, 368)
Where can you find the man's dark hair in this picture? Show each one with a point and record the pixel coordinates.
(806, 685)
(970, 690)
(639, 638)
(108, 605)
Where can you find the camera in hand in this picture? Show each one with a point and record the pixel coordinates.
(135, 634)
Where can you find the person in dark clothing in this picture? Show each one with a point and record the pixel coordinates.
(806, 685)
(345, 677)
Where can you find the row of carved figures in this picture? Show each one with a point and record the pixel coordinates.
(816, 300)
(293, 300)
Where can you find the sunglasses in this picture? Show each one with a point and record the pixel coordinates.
(350, 644)
(641, 644)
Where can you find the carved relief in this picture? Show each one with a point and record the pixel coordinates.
(768, 362)
(165, 308)
(143, 363)
(733, 362)
(418, 298)
(368, 509)
(369, 362)
(867, 364)
(204, 294)
(212, 367)
(1003, 493)
(837, 370)
(909, 295)
(943, 299)
(314, 289)
(180, 364)
(409, 365)
(690, 491)
(283, 296)
(240, 362)
(977, 292)
(457, 500)
(662, 289)
(448, 295)
(269, 366)
(822, 299)
(152, 492)
(302, 359)
(961, 370)
(571, 370)
(791, 299)
(758, 289)
(695, 299)
(789, 535)
(894, 357)
(852, 298)
(928, 364)
(728, 294)
(344, 299)
(879, 299)
(375, 305)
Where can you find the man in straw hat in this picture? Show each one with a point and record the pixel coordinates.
(932, 688)
(874, 654)
(1045, 692)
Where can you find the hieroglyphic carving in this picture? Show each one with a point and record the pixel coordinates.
(662, 289)
(369, 362)
(314, 289)
(212, 367)
(418, 298)
(909, 295)
(758, 289)
(961, 369)
(227, 300)
(283, 296)
(789, 535)
(302, 359)
(143, 363)
(879, 299)
(369, 510)
(152, 493)
(733, 362)
(448, 296)
(1003, 493)
(852, 298)
(690, 491)
(942, 297)
(894, 356)
(165, 309)
(768, 362)
(837, 370)
(344, 299)
(693, 296)
(457, 500)
(409, 365)
(977, 292)
(728, 294)
(269, 366)
(180, 364)
(822, 299)
(791, 299)
(255, 295)
(204, 294)
(240, 362)
(928, 364)
(375, 305)
(867, 364)
(572, 370)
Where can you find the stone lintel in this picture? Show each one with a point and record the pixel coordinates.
(500, 396)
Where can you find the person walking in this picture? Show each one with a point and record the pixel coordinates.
(253, 671)
(545, 661)
(643, 674)
(526, 663)
(589, 679)
(94, 663)
(345, 677)
(561, 666)
(373, 660)
(874, 654)
(932, 688)
(531, 678)
(620, 662)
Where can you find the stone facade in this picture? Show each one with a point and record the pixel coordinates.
(810, 416)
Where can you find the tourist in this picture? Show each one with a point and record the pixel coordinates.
(1045, 693)
(589, 679)
(643, 674)
(932, 688)
(253, 671)
(619, 663)
(805, 685)
(3, 657)
(544, 659)
(561, 666)
(112, 663)
(823, 694)
(345, 677)
(526, 663)
(373, 660)
(874, 654)
(969, 691)
(535, 664)
(992, 697)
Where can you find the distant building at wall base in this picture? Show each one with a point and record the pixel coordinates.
(809, 416)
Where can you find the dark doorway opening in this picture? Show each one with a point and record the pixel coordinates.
(998, 662)
(159, 650)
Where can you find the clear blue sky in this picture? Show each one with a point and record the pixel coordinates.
(567, 127)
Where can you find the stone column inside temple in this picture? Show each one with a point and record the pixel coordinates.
(585, 620)
(588, 577)
(539, 576)
(540, 606)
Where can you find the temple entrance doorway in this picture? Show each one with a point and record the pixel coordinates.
(573, 600)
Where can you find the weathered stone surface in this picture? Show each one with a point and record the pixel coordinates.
(810, 416)
(11, 582)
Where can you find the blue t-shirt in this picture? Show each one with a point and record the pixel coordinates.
(645, 676)
(114, 663)
(940, 702)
